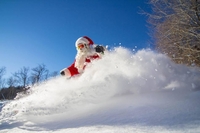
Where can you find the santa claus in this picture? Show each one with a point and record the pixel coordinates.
(86, 52)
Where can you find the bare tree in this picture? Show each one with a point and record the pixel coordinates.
(11, 91)
(11, 82)
(22, 76)
(175, 26)
(2, 73)
(32, 79)
(38, 73)
(2, 83)
(46, 75)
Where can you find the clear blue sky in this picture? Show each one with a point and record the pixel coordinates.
(34, 32)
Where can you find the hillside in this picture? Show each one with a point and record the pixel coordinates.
(123, 92)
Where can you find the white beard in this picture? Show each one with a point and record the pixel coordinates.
(81, 57)
(80, 60)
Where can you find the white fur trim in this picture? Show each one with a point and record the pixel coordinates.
(81, 40)
(67, 72)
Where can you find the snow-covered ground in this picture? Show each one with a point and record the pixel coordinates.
(125, 92)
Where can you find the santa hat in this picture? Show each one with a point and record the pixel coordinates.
(84, 40)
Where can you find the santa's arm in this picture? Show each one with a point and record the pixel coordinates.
(70, 71)
(65, 72)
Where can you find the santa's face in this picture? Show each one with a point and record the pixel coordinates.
(82, 48)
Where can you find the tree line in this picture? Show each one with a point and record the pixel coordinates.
(175, 29)
(20, 80)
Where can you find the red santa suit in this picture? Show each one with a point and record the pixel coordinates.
(85, 54)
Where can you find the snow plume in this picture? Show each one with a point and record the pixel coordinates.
(123, 92)
(143, 71)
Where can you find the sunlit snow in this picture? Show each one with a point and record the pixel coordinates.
(124, 92)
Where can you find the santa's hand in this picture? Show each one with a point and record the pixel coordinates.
(99, 49)
(62, 73)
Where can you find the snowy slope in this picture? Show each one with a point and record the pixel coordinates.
(123, 92)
